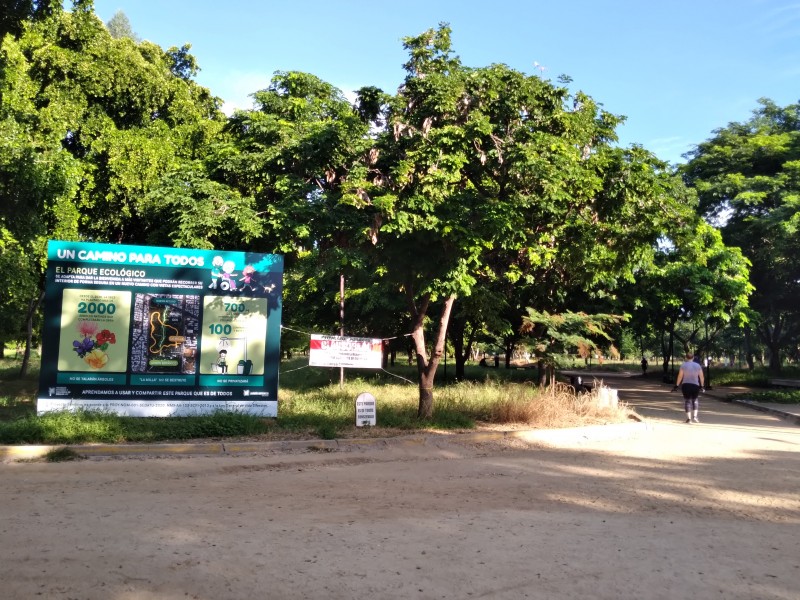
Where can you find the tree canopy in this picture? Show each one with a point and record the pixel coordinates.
(748, 177)
(696, 280)
(488, 174)
(119, 26)
(90, 127)
(486, 186)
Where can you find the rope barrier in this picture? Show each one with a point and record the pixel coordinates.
(293, 370)
(398, 376)
(295, 330)
(397, 337)
(386, 339)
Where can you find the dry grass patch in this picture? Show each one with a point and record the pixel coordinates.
(555, 407)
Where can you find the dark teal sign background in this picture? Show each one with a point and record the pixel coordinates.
(154, 331)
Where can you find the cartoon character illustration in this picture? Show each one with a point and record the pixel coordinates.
(247, 278)
(228, 281)
(222, 361)
(216, 272)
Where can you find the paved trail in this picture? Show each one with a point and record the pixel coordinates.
(708, 511)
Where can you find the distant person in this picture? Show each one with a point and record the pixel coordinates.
(644, 366)
(690, 379)
(577, 383)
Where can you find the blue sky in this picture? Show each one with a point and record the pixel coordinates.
(677, 70)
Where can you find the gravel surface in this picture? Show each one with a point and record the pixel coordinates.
(679, 511)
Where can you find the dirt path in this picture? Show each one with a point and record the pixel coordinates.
(685, 511)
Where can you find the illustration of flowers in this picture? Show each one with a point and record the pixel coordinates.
(93, 343)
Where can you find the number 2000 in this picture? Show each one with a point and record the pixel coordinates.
(99, 308)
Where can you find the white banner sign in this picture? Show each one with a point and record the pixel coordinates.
(349, 352)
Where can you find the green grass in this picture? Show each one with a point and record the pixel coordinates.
(312, 404)
(754, 378)
(779, 397)
(17, 396)
(758, 377)
(83, 426)
(720, 376)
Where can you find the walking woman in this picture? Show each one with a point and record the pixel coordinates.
(690, 380)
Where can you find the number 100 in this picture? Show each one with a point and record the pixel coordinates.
(219, 329)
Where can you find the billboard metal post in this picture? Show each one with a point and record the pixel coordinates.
(341, 323)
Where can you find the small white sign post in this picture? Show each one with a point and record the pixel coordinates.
(366, 410)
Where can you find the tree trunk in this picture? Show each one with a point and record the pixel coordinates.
(665, 352)
(541, 371)
(26, 357)
(426, 367)
(669, 374)
(509, 354)
(461, 363)
(748, 348)
(425, 409)
(774, 358)
(457, 328)
(772, 334)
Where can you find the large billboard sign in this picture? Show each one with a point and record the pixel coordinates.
(151, 331)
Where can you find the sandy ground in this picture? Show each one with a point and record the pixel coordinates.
(683, 511)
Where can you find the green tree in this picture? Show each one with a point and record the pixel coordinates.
(119, 26)
(116, 108)
(556, 334)
(187, 208)
(748, 176)
(90, 126)
(15, 13)
(475, 318)
(38, 183)
(695, 288)
(489, 174)
(291, 154)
